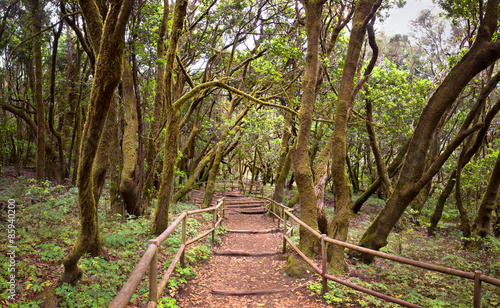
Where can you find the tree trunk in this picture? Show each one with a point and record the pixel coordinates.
(379, 160)
(339, 223)
(101, 161)
(169, 160)
(301, 164)
(418, 203)
(173, 124)
(194, 176)
(128, 181)
(115, 199)
(279, 185)
(36, 18)
(210, 189)
(481, 227)
(438, 210)
(158, 105)
(250, 189)
(58, 173)
(106, 80)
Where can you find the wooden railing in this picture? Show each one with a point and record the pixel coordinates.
(283, 214)
(150, 258)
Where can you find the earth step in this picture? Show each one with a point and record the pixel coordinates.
(233, 195)
(244, 202)
(249, 292)
(257, 211)
(230, 206)
(254, 231)
(245, 253)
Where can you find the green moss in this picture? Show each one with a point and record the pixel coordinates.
(296, 267)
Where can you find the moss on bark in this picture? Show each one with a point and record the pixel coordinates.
(128, 185)
(106, 79)
(301, 164)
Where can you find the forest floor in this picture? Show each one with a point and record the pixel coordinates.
(254, 274)
(47, 223)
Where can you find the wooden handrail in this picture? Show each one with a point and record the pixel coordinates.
(403, 260)
(477, 276)
(150, 259)
(122, 299)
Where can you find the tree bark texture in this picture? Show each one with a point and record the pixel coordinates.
(158, 104)
(212, 175)
(128, 180)
(36, 18)
(173, 124)
(106, 79)
(339, 223)
(284, 163)
(301, 165)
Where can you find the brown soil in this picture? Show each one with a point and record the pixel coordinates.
(243, 273)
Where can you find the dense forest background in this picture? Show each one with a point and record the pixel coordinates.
(145, 101)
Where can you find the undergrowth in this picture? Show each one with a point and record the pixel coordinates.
(412, 284)
(46, 228)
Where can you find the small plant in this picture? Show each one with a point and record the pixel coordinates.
(167, 302)
(197, 253)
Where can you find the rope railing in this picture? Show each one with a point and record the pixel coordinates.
(150, 258)
(282, 213)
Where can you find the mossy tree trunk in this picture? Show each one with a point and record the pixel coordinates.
(159, 102)
(188, 149)
(195, 174)
(301, 164)
(438, 210)
(58, 173)
(418, 203)
(413, 176)
(284, 170)
(481, 226)
(36, 18)
(101, 161)
(128, 180)
(339, 224)
(106, 79)
(115, 199)
(173, 124)
(379, 160)
(212, 176)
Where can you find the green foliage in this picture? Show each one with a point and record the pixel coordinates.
(167, 302)
(47, 229)
(197, 253)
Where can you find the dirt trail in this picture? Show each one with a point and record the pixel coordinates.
(229, 273)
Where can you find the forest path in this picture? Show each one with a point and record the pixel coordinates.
(230, 270)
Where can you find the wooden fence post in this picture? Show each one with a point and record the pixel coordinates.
(183, 236)
(214, 221)
(222, 207)
(324, 264)
(281, 216)
(153, 274)
(477, 289)
(284, 234)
